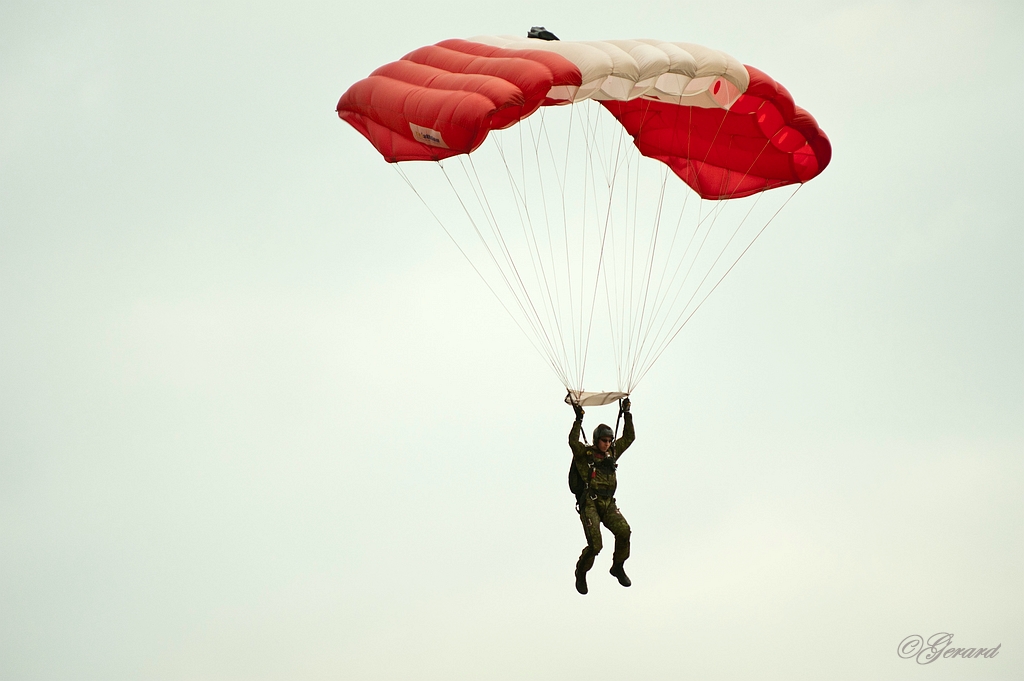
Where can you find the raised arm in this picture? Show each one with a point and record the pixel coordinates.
(577, 447)
(628, 434)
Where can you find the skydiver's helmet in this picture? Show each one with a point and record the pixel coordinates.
(542, 33)
(603, 431)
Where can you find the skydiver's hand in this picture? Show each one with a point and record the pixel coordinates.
(579, 411)
(624, 406)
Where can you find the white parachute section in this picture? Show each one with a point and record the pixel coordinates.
(589, 399)
(681, 73)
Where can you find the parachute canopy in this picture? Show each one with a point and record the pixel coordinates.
(559, 213)
(726, 129)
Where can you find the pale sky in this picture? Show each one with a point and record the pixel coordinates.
(260, 420)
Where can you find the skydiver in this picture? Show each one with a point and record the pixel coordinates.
(594, 486)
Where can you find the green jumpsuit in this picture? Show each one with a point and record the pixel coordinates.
(597, 503)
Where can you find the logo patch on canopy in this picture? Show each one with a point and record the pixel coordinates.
(427, 136)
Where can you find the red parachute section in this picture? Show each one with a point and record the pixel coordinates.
(443, 100)
(762, 141)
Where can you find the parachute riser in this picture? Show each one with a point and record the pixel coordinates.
(569, 398)
(618, 420)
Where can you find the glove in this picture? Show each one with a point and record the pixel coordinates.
(579, 411)
(624, 406)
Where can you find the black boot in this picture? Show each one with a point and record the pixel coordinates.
(581, 580)
(583, 565)
(620, 574)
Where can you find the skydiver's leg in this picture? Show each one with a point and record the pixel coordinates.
(592, 529)
(614, 521)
